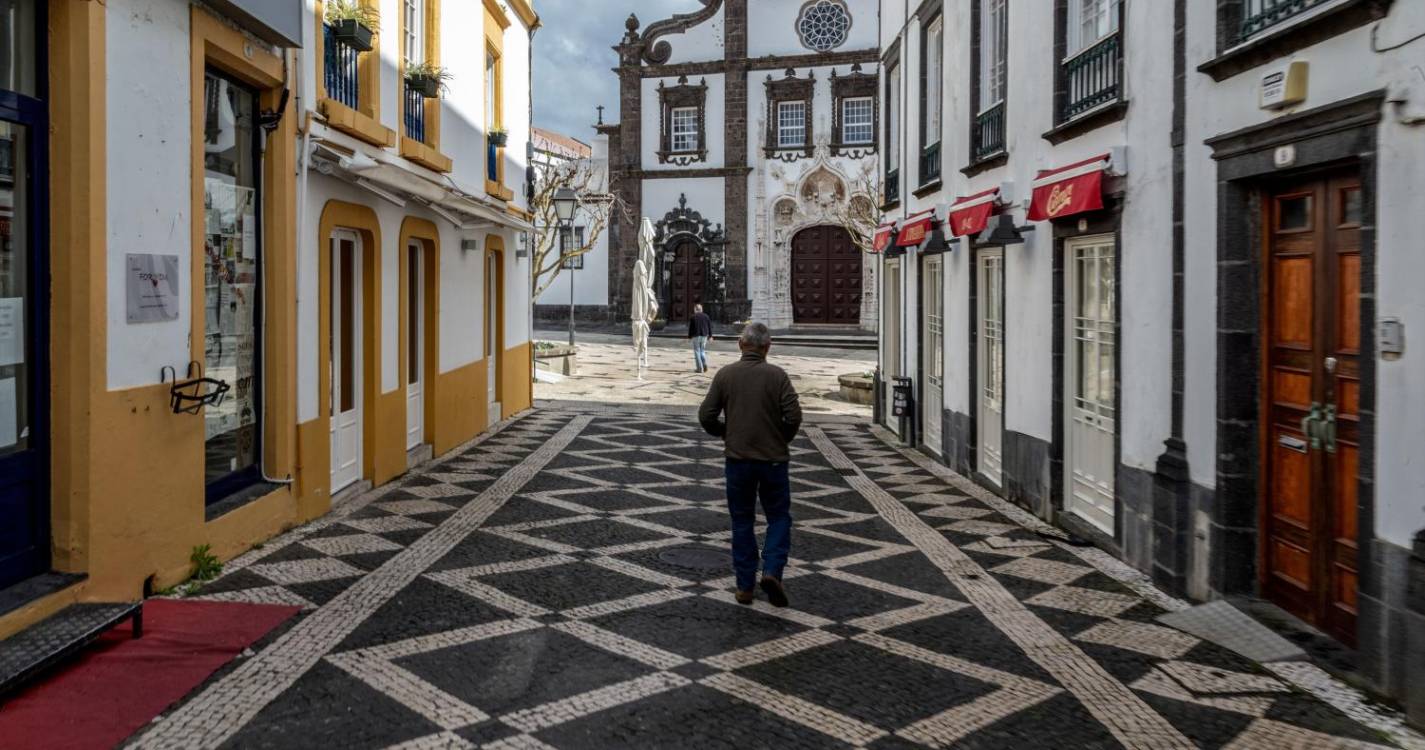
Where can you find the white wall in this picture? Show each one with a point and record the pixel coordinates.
(705, 195)
(772, 28)
(713, 121)
(1340, 67)
(150, 206)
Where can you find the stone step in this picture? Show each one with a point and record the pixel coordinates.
(46, 644)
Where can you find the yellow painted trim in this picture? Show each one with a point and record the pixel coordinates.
(32, 612)
(433, 107)
(424, 155)
(495, 247)
(416, 229)
(378, 460)
(498, 191)
(497, 14)
(368, 66)
(78, 276)
(355, 124)
(516, 379)
(526, 13)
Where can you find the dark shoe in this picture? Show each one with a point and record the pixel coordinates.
(745, 597)
(775, 593)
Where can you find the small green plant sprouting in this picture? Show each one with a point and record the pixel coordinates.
(206, 565)
(353, 10)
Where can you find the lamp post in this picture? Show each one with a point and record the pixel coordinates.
(565, 204)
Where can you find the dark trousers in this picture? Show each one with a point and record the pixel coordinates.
(746, 482)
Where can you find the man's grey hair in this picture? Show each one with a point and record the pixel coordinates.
(755, 336)
(697, 308)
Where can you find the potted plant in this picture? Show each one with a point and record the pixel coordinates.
(499, 137)
(352, 23)
(426, 79)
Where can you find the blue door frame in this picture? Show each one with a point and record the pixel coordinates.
(24, 476)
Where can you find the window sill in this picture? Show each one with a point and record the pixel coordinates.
(243, 497)
(853, 150)
(927, 188)
(1277, 43)
(420, 153)
(993, 161)
(355, 124)
(497, 191)
(890, 205)
(1091, 120)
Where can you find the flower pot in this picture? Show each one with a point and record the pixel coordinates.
(498, 139)
(426, 86)
(352, 33)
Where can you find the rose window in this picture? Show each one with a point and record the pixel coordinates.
(823, 25)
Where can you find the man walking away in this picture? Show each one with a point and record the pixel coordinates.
(762, 417)
(700, 331)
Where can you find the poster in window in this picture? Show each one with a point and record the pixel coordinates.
(12, 331)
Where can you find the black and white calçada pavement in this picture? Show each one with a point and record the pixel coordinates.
(538, 588)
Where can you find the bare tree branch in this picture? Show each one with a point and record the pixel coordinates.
(597, 208)
(859, 214)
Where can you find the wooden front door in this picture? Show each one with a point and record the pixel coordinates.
(826, 277)
(1312, 335)
(686, 278)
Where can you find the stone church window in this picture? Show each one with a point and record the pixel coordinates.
(789, 110)
(823, 25)
(853, 116)
(682, 122)
(856, 120)
(791, 124)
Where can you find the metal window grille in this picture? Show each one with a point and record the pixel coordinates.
(988, 132)
(415, 115)
(930, 164)
(341, 72)
(1260, 15)
(1092, 77)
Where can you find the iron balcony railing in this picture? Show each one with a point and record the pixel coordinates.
(1093, 77)
(492, 162)
(343, 82)
(893, 186)
(930, 164)
(988, 136)
(415, 114)
(1260, 15)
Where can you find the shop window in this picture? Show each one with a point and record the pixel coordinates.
(789, 110)
(682, 125)
(232, 291)
(570, 241)
(853, 116)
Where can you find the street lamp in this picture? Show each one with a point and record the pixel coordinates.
(565, 203)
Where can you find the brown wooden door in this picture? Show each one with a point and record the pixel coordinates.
(1311, 407)
(826, 277)
(685, 280)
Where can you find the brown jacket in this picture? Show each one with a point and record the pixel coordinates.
(763, 414)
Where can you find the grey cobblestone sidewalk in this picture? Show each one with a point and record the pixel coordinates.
(539, 590)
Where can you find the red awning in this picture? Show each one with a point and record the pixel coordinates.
(971, 214)
(1069, 190)
(884, 234)
(915, 229)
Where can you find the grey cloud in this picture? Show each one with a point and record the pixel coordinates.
(574, 59)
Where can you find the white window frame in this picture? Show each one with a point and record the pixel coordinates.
(865, 124)
(685, 140)
(933, 116)
(993, 53)
(1089, 22)
(415, 17)
(792, 124)
(893, 117)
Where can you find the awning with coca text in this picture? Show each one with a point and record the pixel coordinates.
(884, 234)
(971, 214)
(1069, 190)
(915, 229)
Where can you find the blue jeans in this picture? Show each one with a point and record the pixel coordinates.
(700, 353)
(746, 481)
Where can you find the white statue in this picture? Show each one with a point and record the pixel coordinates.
(645, 302)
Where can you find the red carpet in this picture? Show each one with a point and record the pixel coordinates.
(119, 684)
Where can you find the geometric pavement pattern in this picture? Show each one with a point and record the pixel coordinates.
(514, 595)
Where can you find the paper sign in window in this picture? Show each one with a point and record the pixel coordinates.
(12, 331)
(9, 414)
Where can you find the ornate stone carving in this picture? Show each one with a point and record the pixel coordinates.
(790, 88)
(672, 97)
(855, 85)
(659, 52)
(823, 25)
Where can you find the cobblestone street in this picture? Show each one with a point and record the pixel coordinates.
(564, 583)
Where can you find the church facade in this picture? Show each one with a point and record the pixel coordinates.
(748, 136)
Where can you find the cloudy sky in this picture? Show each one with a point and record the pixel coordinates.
(573, 59)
